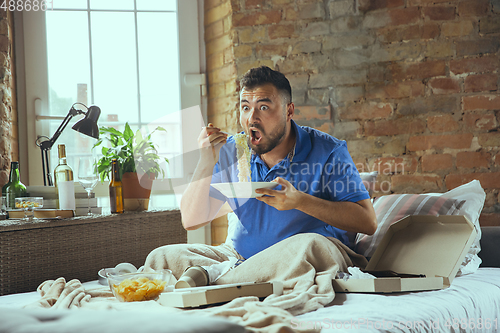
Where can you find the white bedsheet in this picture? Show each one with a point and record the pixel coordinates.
(471, 300)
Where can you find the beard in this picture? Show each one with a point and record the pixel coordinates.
(271, 141)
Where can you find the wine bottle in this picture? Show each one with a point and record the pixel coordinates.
(63, 180)
(115, 189)
(15, 189)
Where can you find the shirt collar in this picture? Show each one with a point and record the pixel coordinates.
(302, 143)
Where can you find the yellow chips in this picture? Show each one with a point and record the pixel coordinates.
(140, 289)
(26, 204)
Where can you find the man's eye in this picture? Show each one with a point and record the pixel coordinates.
(264, 108)
(245, 108)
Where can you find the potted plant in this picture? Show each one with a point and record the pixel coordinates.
(138, 159)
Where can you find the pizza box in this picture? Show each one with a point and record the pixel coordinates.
(429, 248)
(215, 294)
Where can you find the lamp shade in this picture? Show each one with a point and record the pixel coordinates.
(88, 125)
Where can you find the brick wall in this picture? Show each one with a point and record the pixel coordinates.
(8, 114)
(411, 85)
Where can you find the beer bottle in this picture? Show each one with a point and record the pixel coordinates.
(115, 189)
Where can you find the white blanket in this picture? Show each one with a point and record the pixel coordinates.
(305, 263)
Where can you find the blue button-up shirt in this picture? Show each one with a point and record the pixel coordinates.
(321, 166)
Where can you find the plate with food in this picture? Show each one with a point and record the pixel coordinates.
(243, 189)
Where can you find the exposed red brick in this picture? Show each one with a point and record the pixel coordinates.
(491, 139)
(281, 31)
(4, 44)
(473, 159)
(217, 13)
(368, 5)
(251, 4)
(396, 90)
(477, 46)
(497, 159)
(222, 74)
(445, 85)
(437, 162)
(211, 3)
(442, 123)
(404, 15)
(439, 13)
(394, 127)
(415, 183)
(473, 8)
(366, 111)
(430, 30)
(489, 25)
(312, 112)
(429, 104)
(481, 82)
(483, 102)
(259, 18)
(425, 2)
(269, 50)
(214, 30)
(475, 65)
(424, 142)
(420, 70)
(390, 165)
(480, 121)
(489, 219)
(488, 179)
(397, 34)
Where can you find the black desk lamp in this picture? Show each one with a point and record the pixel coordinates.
(87, 126)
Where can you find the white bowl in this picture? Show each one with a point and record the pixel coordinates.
(243, 189)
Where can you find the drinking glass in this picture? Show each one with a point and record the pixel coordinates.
(87, 175)
(28, 205)
(3, 214)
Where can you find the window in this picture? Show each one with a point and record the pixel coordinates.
(121, 55)
(138, 60)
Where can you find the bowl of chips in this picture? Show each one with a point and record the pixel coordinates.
(140, 286)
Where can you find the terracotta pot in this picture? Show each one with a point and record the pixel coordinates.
(136, 192)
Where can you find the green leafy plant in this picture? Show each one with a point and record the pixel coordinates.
(133, 151)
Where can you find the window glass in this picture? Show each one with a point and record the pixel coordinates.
(126, 62)
(111, 4)
(159, 80)
(67, 4)
(170, 5)
(68, 53)
(115, 66)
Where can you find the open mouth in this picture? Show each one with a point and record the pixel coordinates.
(255, 136)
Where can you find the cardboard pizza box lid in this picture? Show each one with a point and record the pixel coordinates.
(216, 294)
(421, 244)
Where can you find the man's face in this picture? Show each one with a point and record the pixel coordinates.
(263, 116)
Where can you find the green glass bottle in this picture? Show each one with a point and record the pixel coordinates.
(15, 189)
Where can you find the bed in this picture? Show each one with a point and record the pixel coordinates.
(471, 304)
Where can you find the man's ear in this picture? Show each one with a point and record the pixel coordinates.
(290, 111)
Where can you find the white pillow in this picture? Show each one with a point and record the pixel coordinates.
(474, 197)
(369, 179)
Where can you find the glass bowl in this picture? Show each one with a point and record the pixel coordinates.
(29, 204)
(143, 286)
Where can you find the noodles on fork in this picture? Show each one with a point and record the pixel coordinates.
(243, 155)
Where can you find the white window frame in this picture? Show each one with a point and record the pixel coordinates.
(32, 84)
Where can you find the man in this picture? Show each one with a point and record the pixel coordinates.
(320, 189)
